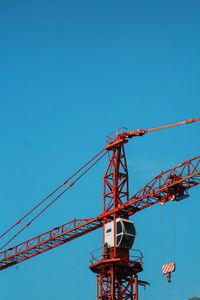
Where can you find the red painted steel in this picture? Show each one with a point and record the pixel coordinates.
(122, 138)
(135, 287)
(161, 189)
(117, 277)
(172, 184)
(47, 241)
(120, 288)
(112, 282)
(116, 271)
(116, 180)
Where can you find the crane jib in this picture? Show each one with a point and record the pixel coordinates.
(48, 240)
(175, 181)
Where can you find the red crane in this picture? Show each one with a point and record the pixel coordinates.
(116, 268)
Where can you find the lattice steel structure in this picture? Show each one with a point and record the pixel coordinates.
(117, 271)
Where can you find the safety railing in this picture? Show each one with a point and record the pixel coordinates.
(102, 254)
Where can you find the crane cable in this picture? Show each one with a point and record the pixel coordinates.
(175, 232)
(174, 237)
(98, 157)
(162, 234)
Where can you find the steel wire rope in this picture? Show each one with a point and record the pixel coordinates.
(54, 191)
(174, 235)
(162, 234)
(57, 197)
(175, 232)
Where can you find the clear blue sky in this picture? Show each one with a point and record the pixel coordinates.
(71, 72)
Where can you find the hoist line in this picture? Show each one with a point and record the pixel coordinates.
(164, 244)
(162, 234)
(52, 193)
(175, 234)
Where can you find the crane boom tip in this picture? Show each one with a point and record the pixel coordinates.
(192, 120)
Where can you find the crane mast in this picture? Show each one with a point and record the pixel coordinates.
(115, 267)
(116, 271)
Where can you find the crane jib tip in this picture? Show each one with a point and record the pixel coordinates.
(192, 120)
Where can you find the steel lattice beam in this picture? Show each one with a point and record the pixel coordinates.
(47, 241)
(172, 184)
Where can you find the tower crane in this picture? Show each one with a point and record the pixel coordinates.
(116, 267)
